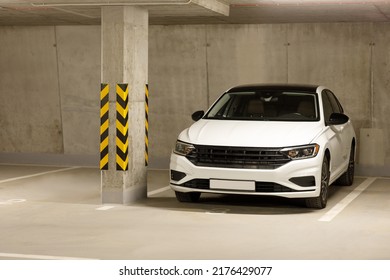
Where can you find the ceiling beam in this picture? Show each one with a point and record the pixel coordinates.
(215, 6)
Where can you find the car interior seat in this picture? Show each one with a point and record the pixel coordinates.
(255, 108)
(306, 109)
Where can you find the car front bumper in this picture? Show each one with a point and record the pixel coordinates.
(296, 179)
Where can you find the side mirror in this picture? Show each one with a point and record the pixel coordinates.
(197, 115)
(337, 119)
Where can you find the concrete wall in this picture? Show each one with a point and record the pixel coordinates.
(49, 88)
(50, 77)
(177, 85)
(380, 93)
(78, 63)
(30, 115)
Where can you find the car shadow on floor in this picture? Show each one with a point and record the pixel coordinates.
(232, 204)
(244, 204)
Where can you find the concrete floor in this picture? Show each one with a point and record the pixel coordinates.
(55, 213)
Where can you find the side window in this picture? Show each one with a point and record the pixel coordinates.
(328, 110)
(337, 108)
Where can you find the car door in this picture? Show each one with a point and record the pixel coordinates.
(335, 133)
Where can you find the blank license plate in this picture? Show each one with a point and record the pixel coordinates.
(232, 185)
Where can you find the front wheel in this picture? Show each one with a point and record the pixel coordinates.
(347, 178)
(321, 201)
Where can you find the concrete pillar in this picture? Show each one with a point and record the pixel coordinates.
(124, 57)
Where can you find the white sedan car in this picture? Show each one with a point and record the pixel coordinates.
(290, 141)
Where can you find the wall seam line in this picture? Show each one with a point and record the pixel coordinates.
(59, 90)
(207, 67)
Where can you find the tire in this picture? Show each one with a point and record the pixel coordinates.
(321, 201)
(347, 178)
(187, 197)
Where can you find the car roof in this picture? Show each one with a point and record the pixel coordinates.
(292, 87)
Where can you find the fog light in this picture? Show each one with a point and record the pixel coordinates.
(177, 175)
(305, 181)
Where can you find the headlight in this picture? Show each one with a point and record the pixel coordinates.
(301, 152)
(183, 149)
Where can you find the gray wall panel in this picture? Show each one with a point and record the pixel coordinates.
(244, 54)
(79, 80)
(30, 115)
(381, 85)
(178, 84)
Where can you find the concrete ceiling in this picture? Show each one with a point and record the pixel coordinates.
(87, 12)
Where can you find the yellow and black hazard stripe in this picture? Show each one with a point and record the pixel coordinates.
(104, 124)
(122, 127)
(146, 125)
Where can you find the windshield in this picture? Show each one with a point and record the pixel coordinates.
(266, 105)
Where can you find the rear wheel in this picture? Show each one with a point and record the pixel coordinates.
(187, 197)
(321, 201)
(347, 178)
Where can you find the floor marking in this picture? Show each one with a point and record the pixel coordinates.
(217, 211)
(329, 216)
(38, 257)
(12, 201)
(158, 191)
(103, 208)
(37, 174)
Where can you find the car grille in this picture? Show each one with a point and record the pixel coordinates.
(237, 157)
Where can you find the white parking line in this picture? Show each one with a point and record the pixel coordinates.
(104, 208)
(12, 201)
(332, 213)
(37, 174)
(218, 211)
(38, 257)
(158, 191)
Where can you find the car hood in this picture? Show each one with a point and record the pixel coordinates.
(251, 133)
